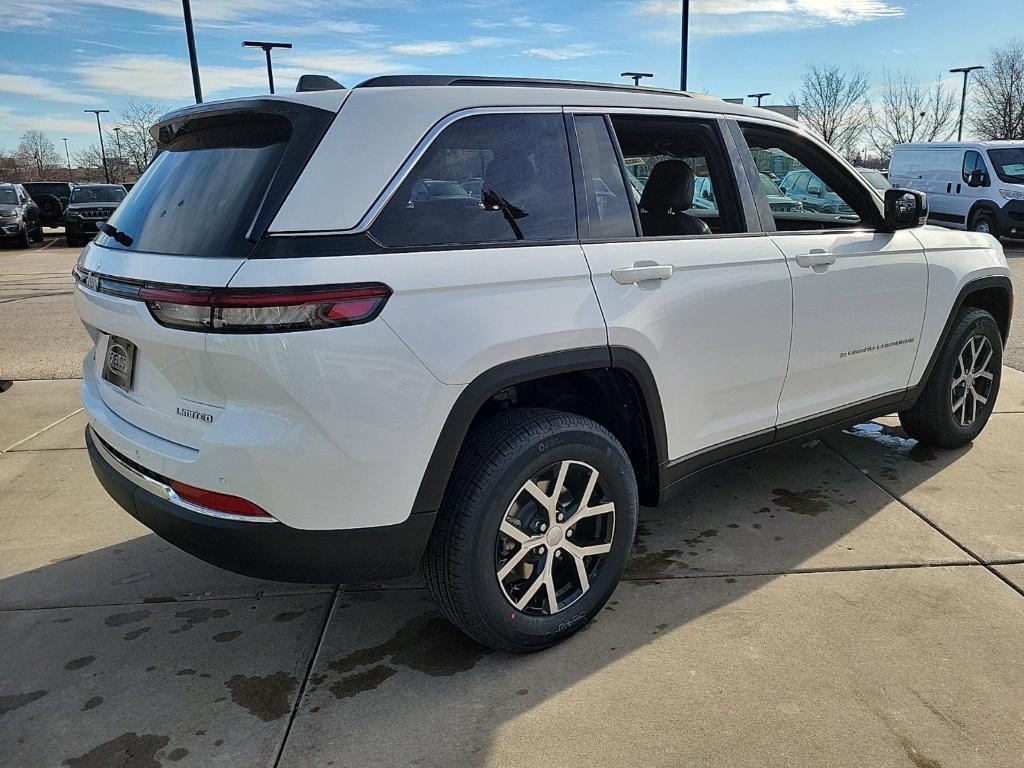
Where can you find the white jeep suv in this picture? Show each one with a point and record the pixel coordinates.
(306, 370)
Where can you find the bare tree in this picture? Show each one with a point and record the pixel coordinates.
(910, 111)
(835, 104)
(36, 152)
(135, 120)
(8, 165)
(90, 163)
(998, 105)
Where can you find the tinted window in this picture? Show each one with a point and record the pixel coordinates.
(525, 193)
(8, 197)
(97, 195)
(608, 207)
(829, 196)
(200, 195)
(678, 176)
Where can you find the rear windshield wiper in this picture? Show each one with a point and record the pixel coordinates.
(492, 200)
(123, 238)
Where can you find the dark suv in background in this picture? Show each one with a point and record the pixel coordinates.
(52, 199)
(89, 206)
(19, 216)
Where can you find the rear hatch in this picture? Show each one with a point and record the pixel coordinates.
(195, 216)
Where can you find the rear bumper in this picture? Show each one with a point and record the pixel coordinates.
(264, 550)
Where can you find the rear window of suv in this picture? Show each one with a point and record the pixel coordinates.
(201, 193)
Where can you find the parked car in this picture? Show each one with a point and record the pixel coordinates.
(875, 178)
(813, 193)
(474, 186)
(19, 216)
(52, 198)
(975, 185)
(300, 376)
(704, 195)
(89, 207)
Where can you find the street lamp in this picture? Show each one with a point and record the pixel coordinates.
(68, 156)
(103, 151)
(267, 48)
(190, 38)
(963, 97)
(117, 134)
(637, 76)
(684, 44)
(758, 96)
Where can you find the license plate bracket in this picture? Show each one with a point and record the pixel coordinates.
(119, 362)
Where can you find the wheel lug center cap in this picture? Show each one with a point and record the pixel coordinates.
(554, 536)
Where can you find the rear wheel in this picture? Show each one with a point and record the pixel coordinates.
(37, 236)
(23, 240)
(961, 391)
(534, 531)
(984, 221)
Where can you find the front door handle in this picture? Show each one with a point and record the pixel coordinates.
(640, 272)
(816, 258)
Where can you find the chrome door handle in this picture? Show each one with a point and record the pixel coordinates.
(640, 272)
(816, 258)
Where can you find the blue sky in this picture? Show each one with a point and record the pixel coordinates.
(58, 57)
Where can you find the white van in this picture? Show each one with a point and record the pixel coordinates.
(976, 185)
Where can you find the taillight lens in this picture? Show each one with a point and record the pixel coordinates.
(220, 502)
(258, 311)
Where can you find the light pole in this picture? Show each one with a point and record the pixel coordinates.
(684, 45)
(963, 98)
(103, 151)
(68, 156)
(117, 135)
(758, 96)
(190, 37)
(637, 76)
(267, 48)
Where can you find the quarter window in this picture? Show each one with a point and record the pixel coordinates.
(485, 179)
(608, 206)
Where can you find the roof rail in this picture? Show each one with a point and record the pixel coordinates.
(394, 81)
(309, 83)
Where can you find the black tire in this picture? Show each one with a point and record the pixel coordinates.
(23, 240)
(74, 241)
(462, 557)
(37, 236)
(984, 221)
(932, 420)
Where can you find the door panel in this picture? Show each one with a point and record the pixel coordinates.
(716, 333)
(856, 322)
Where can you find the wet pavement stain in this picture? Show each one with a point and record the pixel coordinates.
(132, 578)
(352, 685)
(129, 750)
(264, 697)
(288, 616)
(17, 700)
(808, 502)
(185, 672)
(136, 633)
(82, 661)
(92, 703)
(652, 565)
(177, 754)
(227, 637)
(195, 616)
(120, 619)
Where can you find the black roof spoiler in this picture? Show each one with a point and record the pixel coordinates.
(309, 83)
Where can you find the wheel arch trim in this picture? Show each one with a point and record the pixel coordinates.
(484, 386)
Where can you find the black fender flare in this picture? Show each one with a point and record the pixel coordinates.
(979, 205)
(483, 387)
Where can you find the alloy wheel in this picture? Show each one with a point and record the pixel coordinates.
(972, 380)
(554, 538)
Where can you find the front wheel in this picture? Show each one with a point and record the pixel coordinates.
(534, 531)
(985, 222)
(961, 392)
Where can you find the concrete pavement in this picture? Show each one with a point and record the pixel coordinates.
(844, 602)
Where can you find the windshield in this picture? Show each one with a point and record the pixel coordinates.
(875, 179)
(769, 186)
(97, 195)
(201, 193)
(57, 190)
(7, 197)
(1009, 164)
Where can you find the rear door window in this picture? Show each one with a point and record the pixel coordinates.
(485, 179)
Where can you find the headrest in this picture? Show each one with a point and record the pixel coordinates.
(669, 188)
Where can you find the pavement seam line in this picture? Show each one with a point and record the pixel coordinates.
(175, 601)
(37, 434)
(309, 671)
(922, 516)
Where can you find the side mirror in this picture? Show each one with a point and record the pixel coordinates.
(905, 209)
(782, 189)
(978, 178)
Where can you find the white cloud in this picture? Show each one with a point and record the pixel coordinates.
(565, 52)
(163, 77)
(37, 87)
(735, 17)
(50, 123)
(519, 22)
(445, 47)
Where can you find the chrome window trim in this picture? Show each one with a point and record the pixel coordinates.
(157, 488)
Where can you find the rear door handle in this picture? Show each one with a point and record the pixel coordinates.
(640, 272)
(816, 258)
